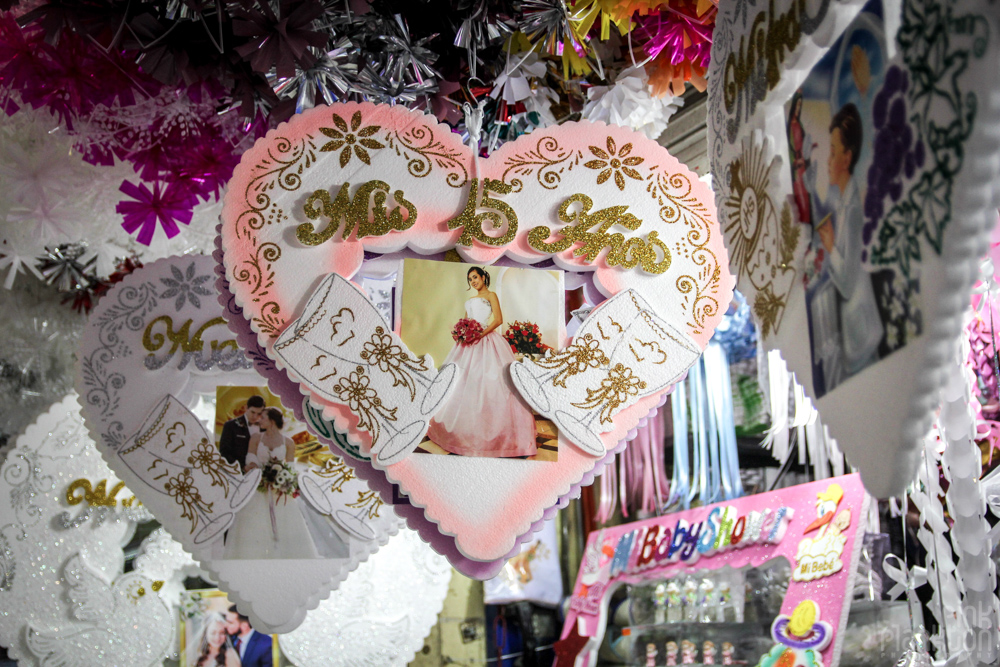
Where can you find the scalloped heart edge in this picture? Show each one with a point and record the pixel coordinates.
(416, 517)
(321, 588)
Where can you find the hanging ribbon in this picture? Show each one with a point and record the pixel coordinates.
(906, 581)
(778, 381)
(720, 393)
(680, 484)
(270, 507)
(700, 489)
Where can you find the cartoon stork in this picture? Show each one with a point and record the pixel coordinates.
(826, 508)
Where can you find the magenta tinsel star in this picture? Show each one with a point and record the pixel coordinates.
(171, 205)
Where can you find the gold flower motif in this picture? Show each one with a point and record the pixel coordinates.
(380, 351)
(390, 358)
(206, 459)
(615, 389)
(577, 358)
(346, 138)
(182, 489)
(614, 162)
(354, 391)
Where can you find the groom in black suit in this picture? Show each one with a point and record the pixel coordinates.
(254, 649)
(235, 437)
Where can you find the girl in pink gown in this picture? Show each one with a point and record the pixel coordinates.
(484, 415)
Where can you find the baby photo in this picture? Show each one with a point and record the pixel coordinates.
(482, 319)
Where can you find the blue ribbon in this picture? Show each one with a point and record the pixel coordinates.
(721, 399)
(680, 484)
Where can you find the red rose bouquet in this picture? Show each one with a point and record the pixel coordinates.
(467, 331)
(525, 338)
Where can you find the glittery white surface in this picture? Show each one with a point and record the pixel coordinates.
(162, 558)
(77, 606)
(380, 615)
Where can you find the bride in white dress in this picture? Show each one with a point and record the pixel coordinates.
(252, 536)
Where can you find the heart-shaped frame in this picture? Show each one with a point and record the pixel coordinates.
(281, 237)
(862, 283)
(155, 342)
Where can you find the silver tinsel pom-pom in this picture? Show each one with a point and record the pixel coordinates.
(36, 359)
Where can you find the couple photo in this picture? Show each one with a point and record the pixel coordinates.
(218, 635)
(277, 522)
(859, 312)
(482, 319)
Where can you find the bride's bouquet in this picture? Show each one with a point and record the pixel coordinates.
(467, 331)
(280, 478)
(524, 337)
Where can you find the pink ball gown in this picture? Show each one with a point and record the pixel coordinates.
(485, 416)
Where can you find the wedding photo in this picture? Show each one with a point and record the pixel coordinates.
(483, 319)
(254, 430)
(213, 632)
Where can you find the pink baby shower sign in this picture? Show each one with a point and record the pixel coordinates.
(814, 526)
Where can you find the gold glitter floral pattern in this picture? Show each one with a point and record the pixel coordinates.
(184, 492)
(369, 502)
(620, 383)
(762, 240)
(335, 469)
(700, 288)
(206, 459)
(283, 167)
(615, 162)
(547, 161)
(390, 358)
(356, 137)
(577, 358)
(422, 152)
(355, 391)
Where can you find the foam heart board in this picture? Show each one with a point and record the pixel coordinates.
(270, 513)
(856, 193)
(337, 184)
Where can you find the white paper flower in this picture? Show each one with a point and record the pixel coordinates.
(630, 103)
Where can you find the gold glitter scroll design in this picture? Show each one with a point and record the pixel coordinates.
(206, 459)
(422, 152)
(95, 496)
(679, 207)
(355, 392)
(615, 162)
(390, 358)
(345, 138)
(182, 489)
(283, 167)
(547, 162)
(620, 383)
(103, 386)
(581, 355)
(761, 248)
(369, 502)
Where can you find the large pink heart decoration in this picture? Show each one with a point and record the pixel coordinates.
(343, 194)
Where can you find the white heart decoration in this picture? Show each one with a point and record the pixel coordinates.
(151, 346)
(317, 193)
(856, 226)
(65, 598)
